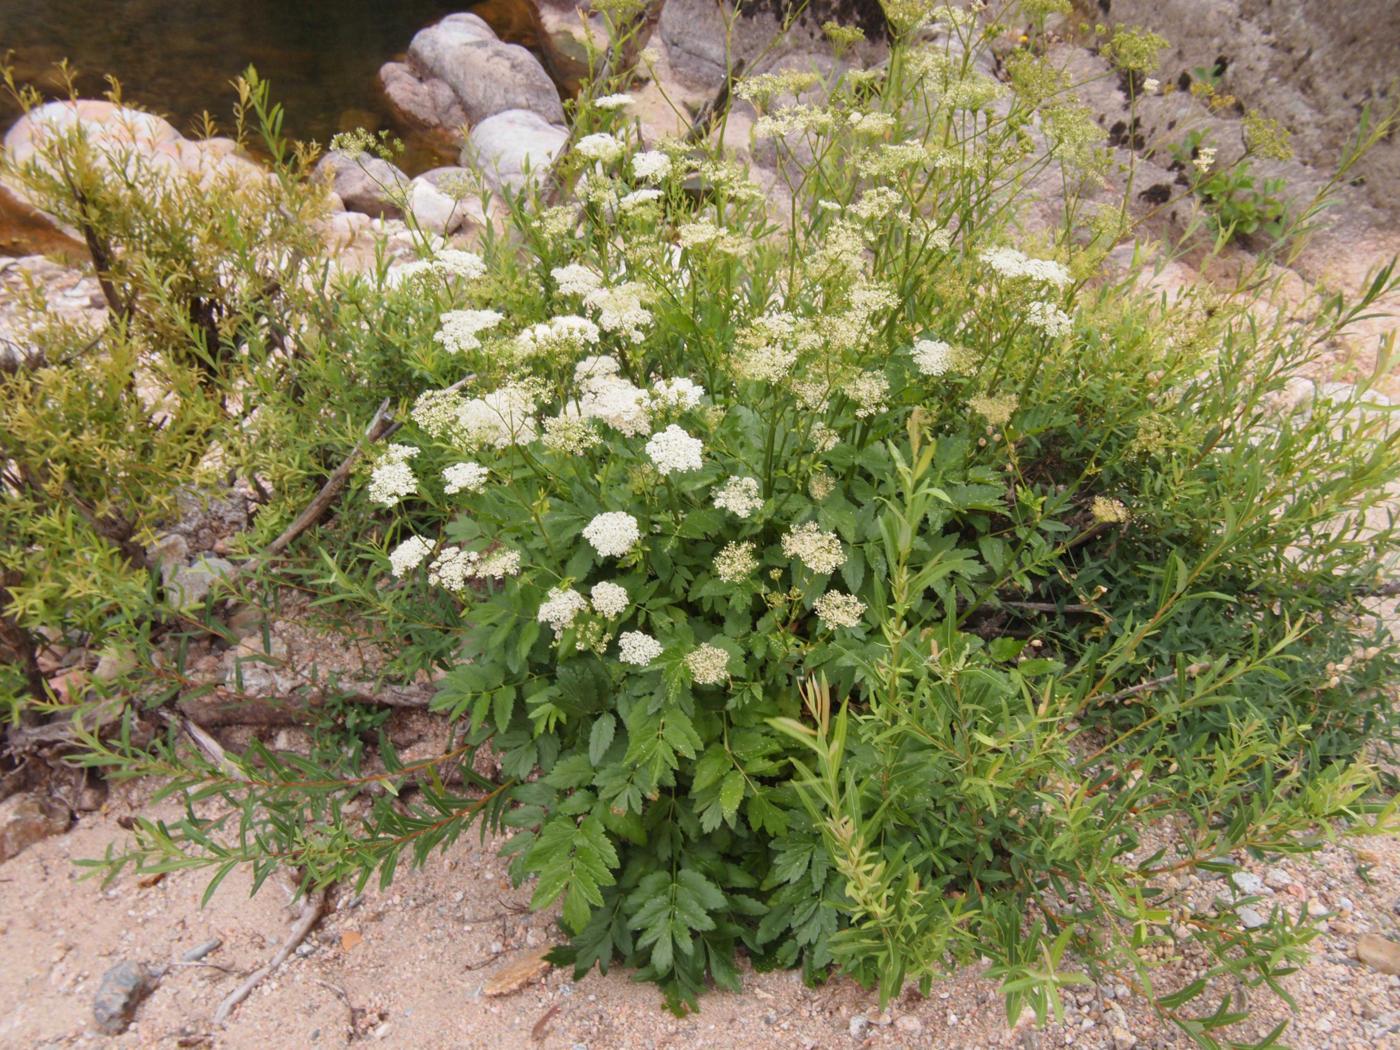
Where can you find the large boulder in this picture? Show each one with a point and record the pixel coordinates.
(107, 126)
(1312, 66)
(486, 75)
(421, 101)
(699, 47)
(506, 145)
(364, 183)
(444, 200)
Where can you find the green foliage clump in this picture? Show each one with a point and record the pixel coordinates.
(838, 585)
(1238, 201)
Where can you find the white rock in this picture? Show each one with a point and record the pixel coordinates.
(486, 75)
(364, 183)
(1247, 882)
(189, 585)
(505, 145)
(1251, 919)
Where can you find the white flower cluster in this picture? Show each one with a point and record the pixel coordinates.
(932, 357)
(452, 568)
(876, 203)
(498, 565)
(560, 607)
(450, 261)
(868, 390)
(680, 392)
(575, 279)
(599, 146)
(613, 102)
(607, 396)
(436, 412)
(460, 328)
(1108, 511)
(770, 344)
(673, 451)
(794, 119)
(392, 478)
(464, 477)
(637, 648)
(651, 166)
(620, 309)
(565, 332)
(735, 562)
(837, 609)
(499, 419)
(609, 599)
(1010, 263)
(814, 547)
(408, 555)
(708, 664)
(1049, 318)
(638, 199)
(739, 496)
(613, 533)
(571, 435)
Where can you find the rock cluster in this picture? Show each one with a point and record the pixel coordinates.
(460, 79)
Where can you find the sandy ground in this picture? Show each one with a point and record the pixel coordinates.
(408, 967)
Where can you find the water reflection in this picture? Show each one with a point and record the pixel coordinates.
(178, 56)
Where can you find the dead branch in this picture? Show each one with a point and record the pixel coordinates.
(225, 708)
(311, 911)
(1154, 683)
(715, 108)
(207, 745)
(380, 426)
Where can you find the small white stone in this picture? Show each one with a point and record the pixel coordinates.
(1247, 882)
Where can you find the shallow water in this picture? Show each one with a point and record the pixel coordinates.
(177, 57)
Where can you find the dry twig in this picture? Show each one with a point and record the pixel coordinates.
(311, 911)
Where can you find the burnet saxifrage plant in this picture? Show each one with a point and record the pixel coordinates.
(847, 579)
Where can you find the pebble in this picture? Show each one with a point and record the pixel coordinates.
(857, 1026)
(1277, 878)
(911, 1024)
(121, 991)
(199, 951)
(1251, 919)
(1247, 883)
(1378, 953)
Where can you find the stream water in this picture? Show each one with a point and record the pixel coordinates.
(177, 57)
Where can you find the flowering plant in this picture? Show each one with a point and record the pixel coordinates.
(843, 573)
(725, 467)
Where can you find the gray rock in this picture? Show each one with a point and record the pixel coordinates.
(1311, 66)
(256, 670)
(188, 585)
(1247, 882)
(122, 989)
(857, 1026)
(1251, 919)
(486, 75)
(421, 101)
(25, 819)
(1277, 878)
(442, 203)
(505, 145)
(364, 183)
(169, 552)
